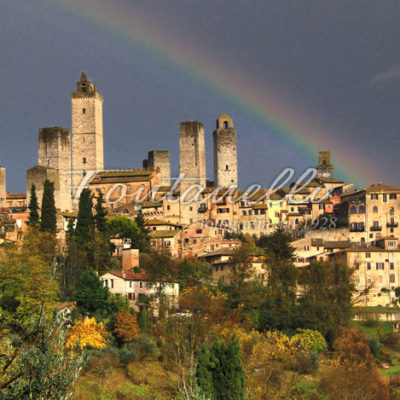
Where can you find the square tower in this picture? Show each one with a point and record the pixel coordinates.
(325, 168)
(3, 192)
(192, 154)
(55, 153)
(87, 130)
(225, 153)
(160, 159)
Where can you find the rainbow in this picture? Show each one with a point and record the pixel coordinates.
(274, 115)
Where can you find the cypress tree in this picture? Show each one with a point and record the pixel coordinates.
(101, 213)
(33, 208)
(48, 221)
(85, 224)
(220, 373)
(142, 242)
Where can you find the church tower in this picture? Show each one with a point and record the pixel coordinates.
(325, 168)
(87, 131)
(225, 153)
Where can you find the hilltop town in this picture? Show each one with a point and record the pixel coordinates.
(329, 219)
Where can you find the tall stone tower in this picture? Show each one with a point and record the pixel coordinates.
(193, 166)
(192, 154)
(325, 168)
(87, 130)
(160, 159)
(3, 192)
(55, 153)
(225, 153)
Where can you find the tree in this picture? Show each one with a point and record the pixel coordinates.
(85, 223)
(101, 213)
(33, 208)
(326, 300)
(91, 295)
(221, 374)
(126, 327)
(123, 228)
(87, 333)
(142, 241)
(48, 221)
(277, 245)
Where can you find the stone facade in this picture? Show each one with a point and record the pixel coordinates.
(192, 166)
(325, 168)
(225, 153)
(160, 159)
(2, 187)
(55, 152)
(87, 130)
(37, 175)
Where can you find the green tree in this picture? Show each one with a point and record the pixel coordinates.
(326, 301)
(33, 208)
(123, 228)
(221, 374)
(48, 221)
(101, 213)
(142, 319)
(85, 224)
(142, 241)
(277, 245)
(91, 295)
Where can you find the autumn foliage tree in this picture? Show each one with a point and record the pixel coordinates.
(87, 333)
(126, 326)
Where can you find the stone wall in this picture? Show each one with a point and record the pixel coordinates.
(160, 159)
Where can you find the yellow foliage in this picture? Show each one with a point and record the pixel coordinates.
(87, 333)
(126, 326)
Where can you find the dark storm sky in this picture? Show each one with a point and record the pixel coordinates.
(336, 62)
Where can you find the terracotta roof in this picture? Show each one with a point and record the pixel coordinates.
(380, 187)
(158, 222)
(15, 196)
(163, 234)
(367, 249)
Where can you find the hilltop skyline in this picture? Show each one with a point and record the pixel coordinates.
(325, 77)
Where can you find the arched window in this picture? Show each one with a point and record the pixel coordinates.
(225, 124)
(375, 209)
(361, 209)
(353, 210)
(83, 87)
(227, 167)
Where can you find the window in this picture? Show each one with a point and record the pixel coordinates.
(392, 196)
(368, 265)
(84, 160)
(130, 284)
(243, 212)
(225, 124)
(226, 167)
(361, 209)
(105, 282)
(141, 285)
(357, 265)
(392, 278)
(380, 266)
(84, 172)
(367, 255)
(262, 212)
(255, 212)
(375, 209)
(353, 210)
(306, 248)
(391, 265)
(168, 208)
(131, 296)
(384, 197)
(374, 197)
(391, 211)
(83, 110)
(198, 231)
(111, 283)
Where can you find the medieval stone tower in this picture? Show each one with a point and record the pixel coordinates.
(87, 130)
(192, 154)
(325, 168)
(193, 166)
(225, 153)
(54, 164)
(160, 159)
(2, 186)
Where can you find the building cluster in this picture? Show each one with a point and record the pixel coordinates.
(191, 216)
